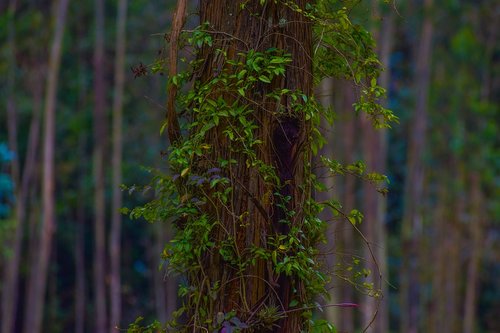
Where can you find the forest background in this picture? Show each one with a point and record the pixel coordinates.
(80, 74)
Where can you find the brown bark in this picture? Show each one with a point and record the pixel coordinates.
(116, 219)
(258, 27)
(412, 218)
(179, 18)
(99, 160)
(38, 275)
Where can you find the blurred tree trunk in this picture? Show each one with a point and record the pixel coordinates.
(38, 275)
(342, 239)
(99, 186)
(475, 225)
(165, 288)
(159, 290)
(350, 128)
(437, 313)
(11, 280)
(325, 93)
(374, 147)
(116, 218)
(453, 243)
(11, 268)
(412, 217)
(80, 286)
(81, 207)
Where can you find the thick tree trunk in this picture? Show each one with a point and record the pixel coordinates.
(99, 186)
(38, 275)
(412, 219)
(116, 219)
(260, 28)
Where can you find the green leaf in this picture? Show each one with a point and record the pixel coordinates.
(264, 78)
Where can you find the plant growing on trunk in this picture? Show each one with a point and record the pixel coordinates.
(243, 134)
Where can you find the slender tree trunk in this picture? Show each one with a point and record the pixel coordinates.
(349, 149)
(80, 286)
(116, 219)
(437, 314)
(412, 219)
(325, 91)
(375, 153)
(99, 186)
(11, 273)
(386, 41)
(476, 231)
(38, 276)
(160, 294)
(170, 283)
(11, 269)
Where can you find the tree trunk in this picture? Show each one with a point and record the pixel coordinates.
(11, 269)
(160, 294)
(80, 286)
(116, 219)
(374, 148)
(349, 196)
(99, 186)
(38, 276)
(476, 231)
(257, 27)
(412, 218)
(334, 245)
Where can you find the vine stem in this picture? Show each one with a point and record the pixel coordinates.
(174, 132)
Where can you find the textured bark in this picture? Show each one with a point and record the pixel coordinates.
(412, 218)
(116, 218)
(282, 138)
(38, 275)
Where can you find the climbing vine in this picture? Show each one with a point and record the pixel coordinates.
(217, 162)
